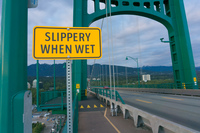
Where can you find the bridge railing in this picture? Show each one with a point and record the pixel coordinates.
(53, 99)
(159, 86)
(108, 93)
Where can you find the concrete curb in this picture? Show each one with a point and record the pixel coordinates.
(156, 123)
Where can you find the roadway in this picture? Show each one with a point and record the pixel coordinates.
(184, 110)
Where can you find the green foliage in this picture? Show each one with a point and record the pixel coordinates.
(157, 78)
(33, 96)
(37, 127)
(49, 82)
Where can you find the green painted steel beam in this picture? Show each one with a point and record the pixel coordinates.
(79, 67)
(37, 86)
(54, 75)
(13, 61)
(185, 63)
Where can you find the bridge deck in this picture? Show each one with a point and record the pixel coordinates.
(95, 117)
(184, 110)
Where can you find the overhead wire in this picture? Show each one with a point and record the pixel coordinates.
(95, 59)
(108, 40)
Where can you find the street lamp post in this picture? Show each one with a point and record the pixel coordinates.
(136, 60)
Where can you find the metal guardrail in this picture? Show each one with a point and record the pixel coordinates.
(53, 100)
(165, 91)
(159, 86)
(107, 93)
(156, 123)
(187, 92)
(168, 85)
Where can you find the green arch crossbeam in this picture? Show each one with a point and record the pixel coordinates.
(130, 9)
(170, 13)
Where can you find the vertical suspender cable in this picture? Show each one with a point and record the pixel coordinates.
(109, 49)
(106, 78)
(112, 50)
(138, 32)
(125, 68)
(117, 77)
(92, 71)
(126, 77)
(95, 59)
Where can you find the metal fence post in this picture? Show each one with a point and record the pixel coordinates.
(62, 101)
(69, 96)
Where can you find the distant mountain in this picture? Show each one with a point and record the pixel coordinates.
(47, 70)
(97, 70)
(198, 68)
(158, 68)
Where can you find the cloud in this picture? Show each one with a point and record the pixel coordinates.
(134, 36)
(48, 13)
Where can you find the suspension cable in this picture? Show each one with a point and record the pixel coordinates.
(138, 34)
(95, 59)
(125, 70)
(108, 48)
(112, 50)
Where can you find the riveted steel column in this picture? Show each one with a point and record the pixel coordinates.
(13, 61)
(84, 79)
(79, 66)
(182, 56)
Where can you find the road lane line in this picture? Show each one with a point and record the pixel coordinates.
(173, 98)
(143, 101)
(136, 93)
(111, 122)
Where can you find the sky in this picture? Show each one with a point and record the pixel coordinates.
(129, 35)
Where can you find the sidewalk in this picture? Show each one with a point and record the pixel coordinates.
(94, 117)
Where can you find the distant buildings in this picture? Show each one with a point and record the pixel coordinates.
(35, 84)
(146, 78)
(28, 85)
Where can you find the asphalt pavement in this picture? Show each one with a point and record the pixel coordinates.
(184, 110)
(95, 117)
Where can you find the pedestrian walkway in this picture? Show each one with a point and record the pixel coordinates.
(94, 117)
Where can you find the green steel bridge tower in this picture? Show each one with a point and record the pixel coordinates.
(170, 13)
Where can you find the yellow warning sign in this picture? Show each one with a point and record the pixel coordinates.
(195, 79)
(77, 86)
(58, 43)
(88, 106)
(82, 107)
(101, 106)
(95, 106)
